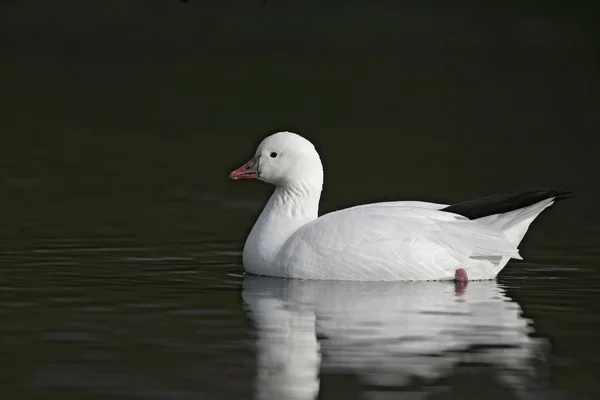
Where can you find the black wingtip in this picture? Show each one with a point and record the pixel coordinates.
(562, 195)
(505, 202)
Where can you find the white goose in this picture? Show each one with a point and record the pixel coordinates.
(388, 241)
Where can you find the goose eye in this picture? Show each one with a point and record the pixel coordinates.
(273, 155)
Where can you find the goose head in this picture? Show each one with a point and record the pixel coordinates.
(283, 159)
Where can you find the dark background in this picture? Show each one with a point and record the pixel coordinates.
(120, 121)
(404, 100)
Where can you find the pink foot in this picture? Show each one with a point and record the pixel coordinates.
(461, 280)
(461, 275)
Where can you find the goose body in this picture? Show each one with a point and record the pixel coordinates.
(388, 241)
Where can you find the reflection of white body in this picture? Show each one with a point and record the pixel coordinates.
(393, 241)
(387, 333)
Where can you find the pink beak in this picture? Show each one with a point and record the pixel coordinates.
(246, 171)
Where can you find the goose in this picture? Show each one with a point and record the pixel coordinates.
(384, 241)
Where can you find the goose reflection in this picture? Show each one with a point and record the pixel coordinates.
(388, 334)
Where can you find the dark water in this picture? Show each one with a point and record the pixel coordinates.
(121, 237)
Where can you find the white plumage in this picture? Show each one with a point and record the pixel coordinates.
(390, 241)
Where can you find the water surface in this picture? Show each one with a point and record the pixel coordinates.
(121, 237)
